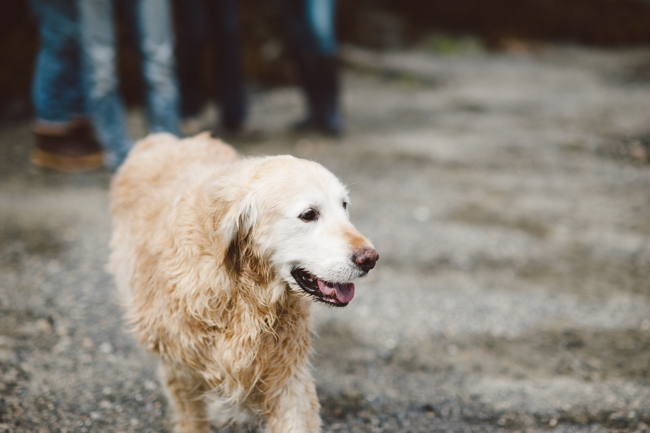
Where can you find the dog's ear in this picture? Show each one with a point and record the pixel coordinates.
(236, 216)
(243, 258)
(234, 221)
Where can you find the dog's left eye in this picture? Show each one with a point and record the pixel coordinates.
(345, 205)
(309, 215)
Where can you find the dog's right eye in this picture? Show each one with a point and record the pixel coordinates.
(309, 215)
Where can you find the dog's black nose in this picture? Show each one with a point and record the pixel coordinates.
(365, 258)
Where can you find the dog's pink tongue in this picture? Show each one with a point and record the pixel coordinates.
(344, 292)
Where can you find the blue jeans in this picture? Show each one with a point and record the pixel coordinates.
(103, 100)
(320, 14)
(57, 92)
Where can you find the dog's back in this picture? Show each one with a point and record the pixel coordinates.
(159, 160)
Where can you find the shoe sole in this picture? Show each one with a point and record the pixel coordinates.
(68, 164)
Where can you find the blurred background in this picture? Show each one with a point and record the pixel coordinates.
(497, 155)
(445, 27)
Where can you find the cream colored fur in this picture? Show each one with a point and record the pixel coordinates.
(202, 251)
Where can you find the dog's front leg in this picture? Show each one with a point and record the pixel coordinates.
(185, 391)
(295, 407)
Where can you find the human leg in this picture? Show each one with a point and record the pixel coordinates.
(321, 14)
(311, 37)
(61, 134)
(157, 47)
(304, 49)
(230, 80)
(56, 92)
(102, 96)
(191, 36)
(331, 118)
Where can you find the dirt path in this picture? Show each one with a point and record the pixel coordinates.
(505, 196)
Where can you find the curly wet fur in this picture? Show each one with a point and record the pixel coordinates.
(191, 254)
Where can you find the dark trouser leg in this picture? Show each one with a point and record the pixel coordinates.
(317, 69)
(304, 46)
(229, 75)
(192, 31)
(331, 117)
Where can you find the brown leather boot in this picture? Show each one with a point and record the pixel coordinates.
(72, 150)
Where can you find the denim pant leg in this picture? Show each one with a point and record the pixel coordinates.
(320, 14)
(157, 48)
(102, 94)
(57, 91)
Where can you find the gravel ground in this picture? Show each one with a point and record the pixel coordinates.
(509, 198)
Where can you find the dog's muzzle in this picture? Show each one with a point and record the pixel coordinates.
(335, 294)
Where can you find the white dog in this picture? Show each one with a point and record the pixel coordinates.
(217, 259)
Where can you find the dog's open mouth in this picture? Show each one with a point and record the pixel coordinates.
(336, 294)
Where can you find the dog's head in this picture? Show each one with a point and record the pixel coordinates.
(293, 222)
